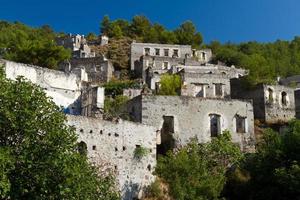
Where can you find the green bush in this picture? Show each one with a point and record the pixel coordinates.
(154, 190)
(113, 107)
(116, 87)
(36, 46)
(140, 152)
(198, 171)
(170, 84)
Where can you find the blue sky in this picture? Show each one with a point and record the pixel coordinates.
(223, 20)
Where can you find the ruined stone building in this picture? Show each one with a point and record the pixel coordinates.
(212, 100)
(77, 44)
(159, 58)
(178, 119)
(99, 69)
(272, 103)
(109, 144)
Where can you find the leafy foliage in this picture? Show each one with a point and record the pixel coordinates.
(91, 37)
(197, 171)
(140, 152)
(36, 46)
(274, 171)
(140, 28)
(116, 87)
(170, 84)
(38, 151)
(113, 107)
(264, 60)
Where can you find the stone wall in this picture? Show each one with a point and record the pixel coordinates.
(297, 103)
(192, 116)
(131, 92)
(64, 88)
(276, 109)
(222, 71)
(92, 101)
(112, 145)
(267, 107)
(138, 50)
(98, 69)
(205, 85)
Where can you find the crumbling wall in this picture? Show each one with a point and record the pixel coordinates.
(138, 50)
(92, 101)
(277, 109)
(112, 145)
(192, 117)
(207, 83)
(98, 69)
(267, 107)
(297, 103)
(64, 88)
(131, 92)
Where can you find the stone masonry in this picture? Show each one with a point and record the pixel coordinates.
(111, 145)
(193, 117)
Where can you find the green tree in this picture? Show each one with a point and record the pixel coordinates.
(41, 161)
(115, 31)
(105, 25)
(91, 37)
(113, 107)
(36, 46)
(198, 171)
(140, 26)
(186, 34)
(170, 84)
(275, 169)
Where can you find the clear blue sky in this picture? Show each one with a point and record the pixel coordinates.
(223, 20)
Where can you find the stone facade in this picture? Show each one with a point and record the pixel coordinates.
(131, 92)
(208, 80)
(194, 117)
(77, 44)
(161, 57)
(63, 88)
(272, 103)
(98, 69)
(112, 145)
(92, 101)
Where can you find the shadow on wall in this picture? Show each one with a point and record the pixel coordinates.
(74, 108)
(131, 191)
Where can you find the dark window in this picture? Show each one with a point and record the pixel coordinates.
(157, 52)
(147, 51)
(94, 147)
(166, 65)
(203, 55)
(166, 52)
(215, 125)
(270, 95)
(218, 90)
(82, 148)
(175, 53)
(240, 124)
(284, 98)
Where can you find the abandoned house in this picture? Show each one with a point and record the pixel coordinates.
(99, 69)
(161, 57)
(178, 119)
(77, 44)
(109, 144)
(272, 103)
